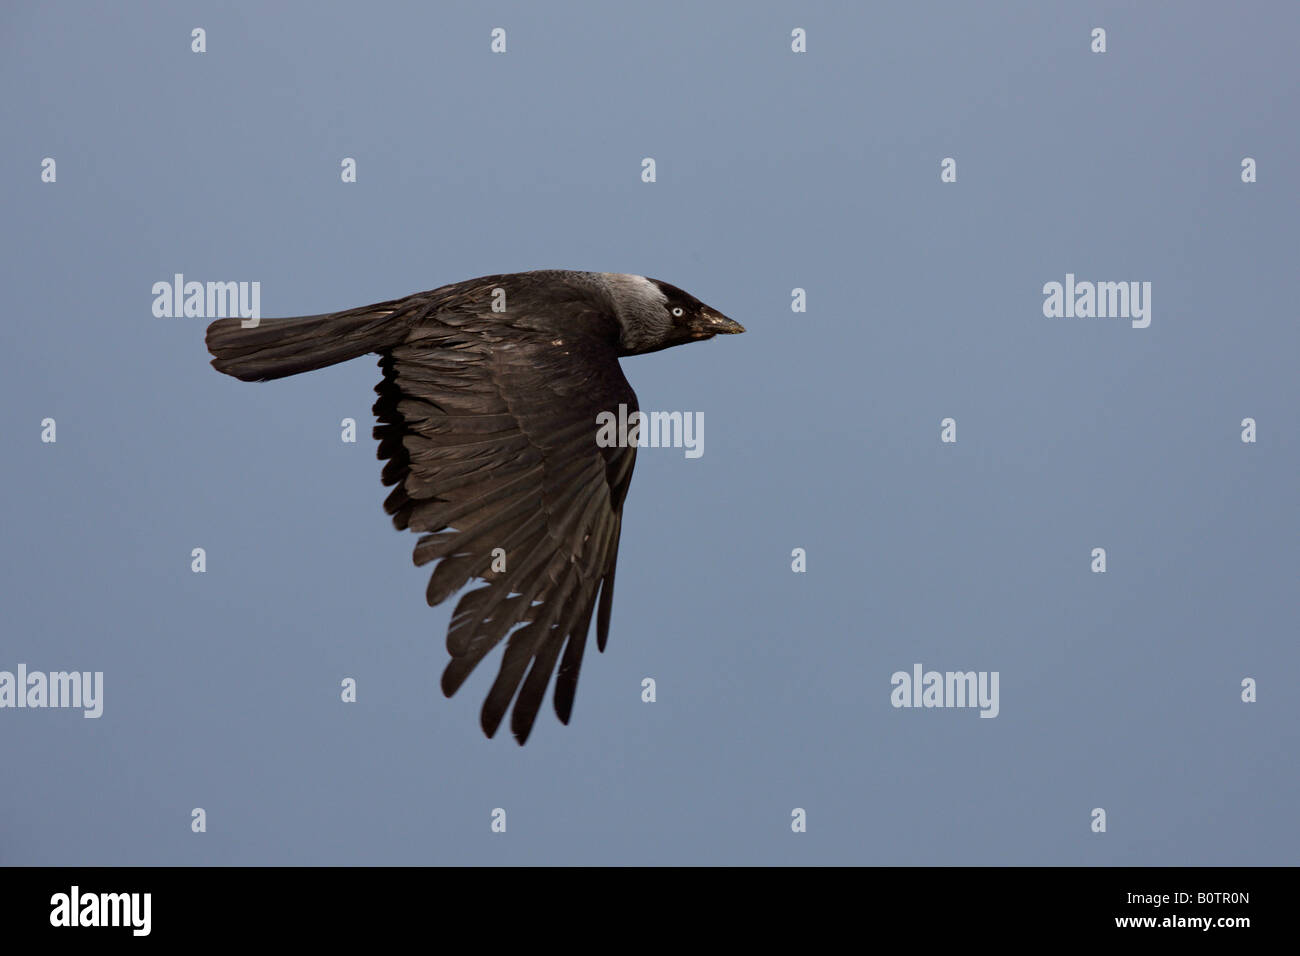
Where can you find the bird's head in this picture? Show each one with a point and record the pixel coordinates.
(656, 315)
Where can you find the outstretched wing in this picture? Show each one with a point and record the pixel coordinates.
(491, 446)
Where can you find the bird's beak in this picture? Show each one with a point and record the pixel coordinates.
(715, 323)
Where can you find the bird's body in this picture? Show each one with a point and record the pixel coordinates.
(486, 419)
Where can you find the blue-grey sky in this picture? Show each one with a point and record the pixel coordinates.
(775, 170)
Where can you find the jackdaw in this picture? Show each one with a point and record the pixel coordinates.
(487, 422)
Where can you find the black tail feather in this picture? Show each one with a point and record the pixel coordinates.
(275, 348)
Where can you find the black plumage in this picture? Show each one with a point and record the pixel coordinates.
(486, 421)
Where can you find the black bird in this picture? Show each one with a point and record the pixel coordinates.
(487, 420)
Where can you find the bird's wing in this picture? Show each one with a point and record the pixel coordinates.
(492, 448)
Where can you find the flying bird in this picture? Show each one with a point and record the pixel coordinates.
(487, 421)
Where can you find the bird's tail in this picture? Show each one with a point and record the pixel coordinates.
(275, 348)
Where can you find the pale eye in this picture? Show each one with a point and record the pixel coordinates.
(677, 312)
